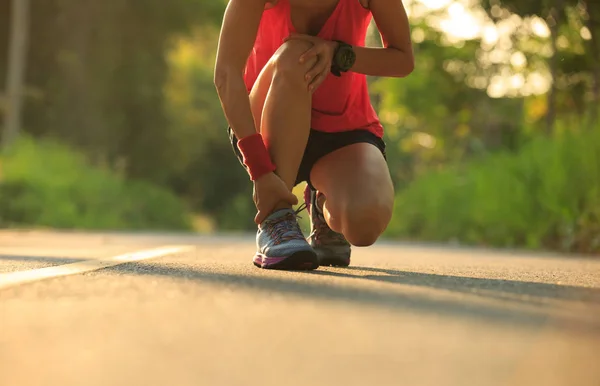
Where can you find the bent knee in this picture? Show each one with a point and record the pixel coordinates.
(286, 60)
(362, 224)
(364, 228)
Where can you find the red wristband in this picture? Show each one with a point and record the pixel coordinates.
(256, 156)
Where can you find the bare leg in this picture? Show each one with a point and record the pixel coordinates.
(281, 106)
(358, 190)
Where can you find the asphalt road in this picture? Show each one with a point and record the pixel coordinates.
(109, 309)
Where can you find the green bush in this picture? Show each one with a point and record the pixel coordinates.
(545, 196)
(45, 184)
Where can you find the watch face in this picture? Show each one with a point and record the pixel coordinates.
(346, 58)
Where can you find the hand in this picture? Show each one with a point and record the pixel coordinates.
(323, 50)
(270, 191)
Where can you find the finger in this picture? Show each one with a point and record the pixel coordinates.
(319, 67)
(316, 82)
(310, 53)
(316, 50)
(292, 199)
(259, 218)
(320, 70)
(319, 79)
(321, 76)
(314, 73)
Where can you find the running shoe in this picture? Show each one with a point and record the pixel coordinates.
(281, 244)
(331, 247)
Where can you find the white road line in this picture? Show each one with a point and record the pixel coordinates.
(21, 277)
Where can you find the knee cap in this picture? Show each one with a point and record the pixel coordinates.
(364, 224)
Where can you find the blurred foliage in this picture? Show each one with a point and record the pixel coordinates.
(546, 195)
(46, 184)
(506, 103)
(96, 73)
(205, 171)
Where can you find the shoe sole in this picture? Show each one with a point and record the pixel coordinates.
(299, 261)
(334, 262)
(332, 256)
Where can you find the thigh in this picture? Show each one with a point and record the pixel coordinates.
(353, 177)
(259, 92)
(286, 56)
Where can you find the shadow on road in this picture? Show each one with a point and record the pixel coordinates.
(511, 290)
(40, 259)
(394, 299)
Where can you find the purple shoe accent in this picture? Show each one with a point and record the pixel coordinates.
(307, 200)
(266, 261)
(281, 244)
(298, 261)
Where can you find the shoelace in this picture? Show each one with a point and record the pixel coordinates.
(322, 232)
(300, 209)
(284, 228)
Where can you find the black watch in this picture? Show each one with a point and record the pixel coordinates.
(343, 58)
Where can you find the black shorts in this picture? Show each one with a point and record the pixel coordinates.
(320, 144)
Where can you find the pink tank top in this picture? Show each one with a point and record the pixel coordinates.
(339, 104)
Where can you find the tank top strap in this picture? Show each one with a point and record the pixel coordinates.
(353, 11)
(348, 21)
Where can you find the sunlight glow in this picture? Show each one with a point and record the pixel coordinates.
(391, 117)
(490, 34)
(517, 81)
(435, 4)
(503, 85)
(585, 33)
(425, 140)
(518, 60)
(462, 20)
(418, 35)
(562, 42)
(461, 23)
(539, 27)
(508, 26)
(499, 56)
(497, 88)
(539, 83)
(496, 11)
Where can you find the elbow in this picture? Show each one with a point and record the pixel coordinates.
(410, 65)
(404, 63)
(407, 66)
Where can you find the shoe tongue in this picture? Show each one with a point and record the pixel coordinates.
(319, 211)
(316, 205)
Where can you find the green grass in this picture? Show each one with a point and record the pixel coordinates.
(46, 184)
(545, 196)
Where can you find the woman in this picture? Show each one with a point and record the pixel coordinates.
(291, 76)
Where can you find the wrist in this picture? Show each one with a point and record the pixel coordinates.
(255, 155)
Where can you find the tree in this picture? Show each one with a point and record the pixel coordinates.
(564, 19)
(96, 73)
(593, 25)
(16, 70)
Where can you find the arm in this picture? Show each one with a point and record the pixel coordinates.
(396, 58)
(238, 33)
